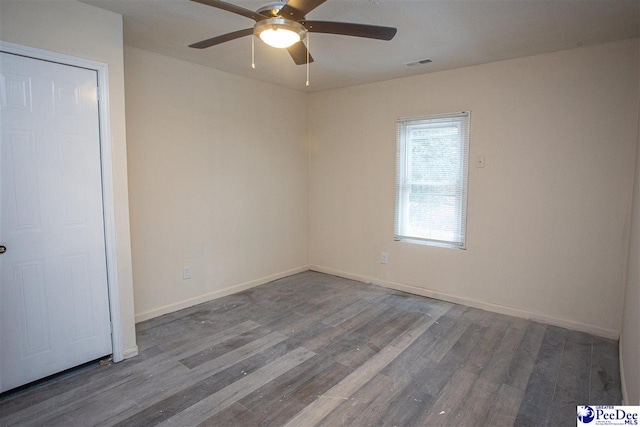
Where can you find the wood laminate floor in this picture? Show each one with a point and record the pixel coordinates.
(314, 349)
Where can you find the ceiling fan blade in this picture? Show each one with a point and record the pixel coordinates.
(298, 52)
(349, 29)
(232, 8)
(297, 9)
(221, 39)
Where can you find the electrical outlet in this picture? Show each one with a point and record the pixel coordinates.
(384, 257)
(186, 272)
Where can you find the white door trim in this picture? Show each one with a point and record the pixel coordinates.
(107, 179)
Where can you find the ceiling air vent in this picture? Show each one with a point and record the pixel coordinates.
(421, 62)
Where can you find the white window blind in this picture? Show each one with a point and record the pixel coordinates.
(431, 179)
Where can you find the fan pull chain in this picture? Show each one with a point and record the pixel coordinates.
(253, 53)
(308, 47)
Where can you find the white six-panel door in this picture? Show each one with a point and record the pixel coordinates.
(54, 307)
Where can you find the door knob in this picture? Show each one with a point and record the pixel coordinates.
(3, 249)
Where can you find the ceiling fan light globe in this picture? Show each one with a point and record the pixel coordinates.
(279, 38)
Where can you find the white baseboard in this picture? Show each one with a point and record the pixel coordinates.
(542, 318)
(170, 308)
(623, 383)
(131, 352)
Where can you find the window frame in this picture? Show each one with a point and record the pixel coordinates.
(404, 180)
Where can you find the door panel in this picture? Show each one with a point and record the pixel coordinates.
(54, 307)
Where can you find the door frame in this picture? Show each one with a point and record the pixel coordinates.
(108, 207)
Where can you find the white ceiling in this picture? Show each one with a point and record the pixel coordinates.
(453, 33)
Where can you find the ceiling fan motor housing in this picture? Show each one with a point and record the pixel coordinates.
(271, 9)
(274, 9)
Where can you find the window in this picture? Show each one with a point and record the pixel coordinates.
(431, 180)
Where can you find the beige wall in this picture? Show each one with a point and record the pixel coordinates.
(548, 215)
(77, 29)
(630, 338)
(218, 181)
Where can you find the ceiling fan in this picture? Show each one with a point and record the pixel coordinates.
(284, 25)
